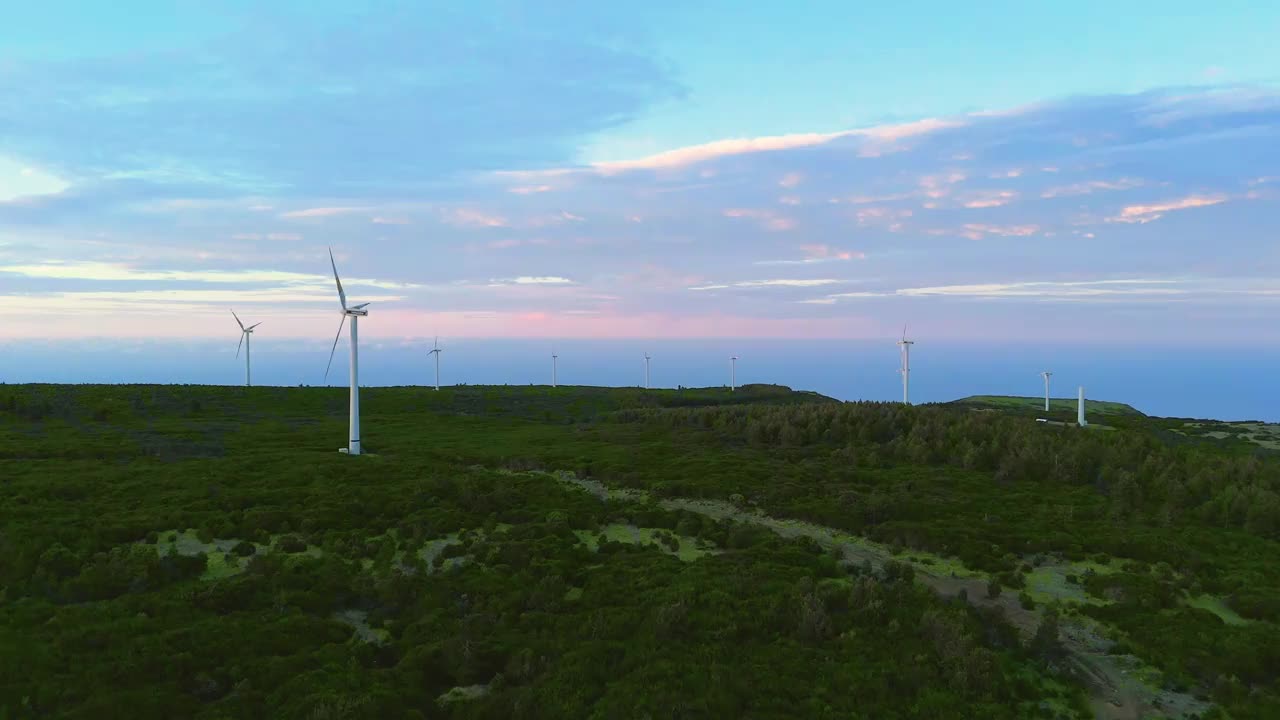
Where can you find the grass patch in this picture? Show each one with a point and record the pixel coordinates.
(687, 549)
(1218, 607)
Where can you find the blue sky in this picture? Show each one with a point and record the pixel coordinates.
(1084, 172)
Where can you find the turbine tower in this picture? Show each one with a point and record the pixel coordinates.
(646, 371)
(905, 370)
(733, 372)
(355, 312)
(245, 332)
(1046, 375)
(1080, 410)
(554, 356)
(435, 350)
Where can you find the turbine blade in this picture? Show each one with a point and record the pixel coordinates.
(342, 296)
(237, 317)
(238, 345)
(253, 326)
(334, 348)
(904, 331)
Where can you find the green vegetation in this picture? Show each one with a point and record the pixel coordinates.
(1057, 406)
(583, 552)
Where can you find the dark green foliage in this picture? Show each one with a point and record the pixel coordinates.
(993, 589)
(768, 628)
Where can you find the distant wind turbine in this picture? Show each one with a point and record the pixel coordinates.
(355, 312)
(436, 350)
(554, 356)
(905, 344)
(1080, 410)
(646, 371)
(733, 372)
(245, 332)
(1046, 375)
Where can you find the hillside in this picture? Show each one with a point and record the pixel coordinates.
(1057, 406)
(585, 552)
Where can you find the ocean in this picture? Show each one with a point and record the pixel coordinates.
(1201, 382)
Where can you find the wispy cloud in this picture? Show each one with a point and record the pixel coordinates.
(532, 280)
(123, 272)
(472, 217)
(989, 198)
(1155, 211)
(977, 231)
(784, 282)
(318, 212)
(387, 220)
(1091, 186)
(877, 140)
(768, 219)
(817, 253)
(1086, 288)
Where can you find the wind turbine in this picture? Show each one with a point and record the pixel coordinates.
(1080, 410)
(646, 371)
(733, 372)
(355, 312)
(554, 356)
(905, 344)
(245, 332)
(435, 350)
(1046, 375)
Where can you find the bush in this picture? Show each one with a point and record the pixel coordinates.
(244, 549)
(1025, 599)
(290, 544)
(993, 588)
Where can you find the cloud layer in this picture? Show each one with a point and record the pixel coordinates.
(1160, 206)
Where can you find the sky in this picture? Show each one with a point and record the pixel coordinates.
(1087, 173)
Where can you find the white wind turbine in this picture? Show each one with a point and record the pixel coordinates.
(905, 344)
(245, 332)
(554, 357)
(1046, 375)
(733, 372)
(436, 350)
(646, 371)
(355, 312)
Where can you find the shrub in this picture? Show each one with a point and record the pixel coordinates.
(290, 544)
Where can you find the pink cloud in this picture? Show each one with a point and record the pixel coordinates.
(935, 186)
(601, 323)
(471, 217)
(1085, 188)
(380, 220)
(320, 212)
(791, 180)
(989, 198)
(767, 218)
(529, 189)
(828, 252)
(881, 216)
(977, 231)
(1147, 213)
(880, 139)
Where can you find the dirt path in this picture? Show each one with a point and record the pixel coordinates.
(1116, 692)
